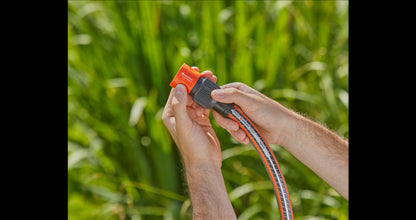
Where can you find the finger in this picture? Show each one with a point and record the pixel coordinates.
(199, 110)
(232, 95)
(195, 68)
(207, 74)
(246, 140)
(168, 104)
(168, 116)
(225, 123)
(239, 135)
(239, 86)
(167, 111)
(189, 100)
(232, 127)
(169, 101)
(214, 79)
(183, 121)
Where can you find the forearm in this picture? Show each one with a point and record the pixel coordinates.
(322, 151)
(208, 194)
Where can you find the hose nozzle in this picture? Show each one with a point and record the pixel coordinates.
(200, 89)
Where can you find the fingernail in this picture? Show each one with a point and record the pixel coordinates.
(179, 90)
(218, 93)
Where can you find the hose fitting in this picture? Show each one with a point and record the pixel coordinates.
(200, 89)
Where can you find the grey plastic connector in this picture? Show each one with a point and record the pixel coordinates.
(201, 94)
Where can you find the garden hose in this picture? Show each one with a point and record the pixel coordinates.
(200, 89)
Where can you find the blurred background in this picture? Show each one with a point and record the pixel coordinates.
(122, 55)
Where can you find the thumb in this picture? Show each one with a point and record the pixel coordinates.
(179, 106)
(231, 95)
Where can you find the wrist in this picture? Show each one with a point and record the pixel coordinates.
(285, 125)
(207, 164)
(200, 155)
(207, 190)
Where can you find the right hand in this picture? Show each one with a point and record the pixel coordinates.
(274, 121)
(320, 149)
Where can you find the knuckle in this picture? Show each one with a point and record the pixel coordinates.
(166, 123)
(175, 103)
(233, 91)
(164, 117)
(239, 84)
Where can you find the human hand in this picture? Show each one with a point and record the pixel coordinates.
(320, 149)
(274, 121)
(190, 127)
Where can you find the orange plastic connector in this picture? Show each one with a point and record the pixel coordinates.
(186, 76)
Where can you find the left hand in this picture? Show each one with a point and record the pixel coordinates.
(190, 127)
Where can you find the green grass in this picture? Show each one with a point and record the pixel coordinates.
(122, 162)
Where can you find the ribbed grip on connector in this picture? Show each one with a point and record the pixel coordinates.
(201, 93)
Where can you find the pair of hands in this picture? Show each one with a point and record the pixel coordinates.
(320, 149)
(190, 127)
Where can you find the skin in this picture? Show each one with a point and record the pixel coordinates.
(189, 125)
(314, 145)
(320, 149)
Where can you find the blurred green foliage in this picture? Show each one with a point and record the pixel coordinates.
(122, 162)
